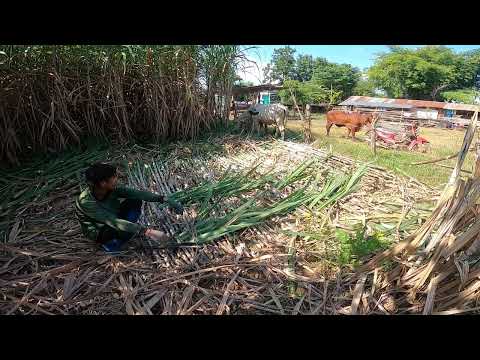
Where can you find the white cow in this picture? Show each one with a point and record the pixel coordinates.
(273, 114)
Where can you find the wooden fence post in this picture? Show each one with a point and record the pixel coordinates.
(476, 173)
(373, 136)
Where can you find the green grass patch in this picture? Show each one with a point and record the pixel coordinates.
(442, 143)
(354, 247)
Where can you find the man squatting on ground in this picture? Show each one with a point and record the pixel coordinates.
(109, 221)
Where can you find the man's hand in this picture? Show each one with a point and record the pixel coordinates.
(157, 235)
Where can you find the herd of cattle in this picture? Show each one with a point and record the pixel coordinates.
(259, 115)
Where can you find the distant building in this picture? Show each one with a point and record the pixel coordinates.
(264, 94)
(420, 109)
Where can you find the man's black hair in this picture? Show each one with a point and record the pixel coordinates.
(99, 172)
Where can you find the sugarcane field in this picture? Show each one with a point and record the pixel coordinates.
(162, 180)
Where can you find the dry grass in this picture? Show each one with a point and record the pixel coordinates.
(48, 267)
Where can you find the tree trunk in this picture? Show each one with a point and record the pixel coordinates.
(307, 132)
(436, 90)
(308, 111)
(228, 95)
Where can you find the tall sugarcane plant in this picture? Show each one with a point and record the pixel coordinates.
(54, 96)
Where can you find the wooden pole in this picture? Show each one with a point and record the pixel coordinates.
(307, 111)
(467, 140)
(373, 135)
(476, 173)
(307, 133)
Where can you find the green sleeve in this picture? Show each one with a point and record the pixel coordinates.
(129, 193)
(97, 213)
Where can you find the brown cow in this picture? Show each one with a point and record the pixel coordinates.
(353, 121)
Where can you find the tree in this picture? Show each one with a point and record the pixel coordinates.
(422, 73)
(340, 77)
(302, 93)
(241, 82)
(304, 68)
(282, 66)
(467, 67)
(364, 87)
(267, 74)
(292, 90)
(337, 77)
(465, 96)
(308, 92)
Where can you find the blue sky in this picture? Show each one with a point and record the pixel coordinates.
(361, 56)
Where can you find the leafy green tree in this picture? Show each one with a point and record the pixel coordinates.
(267, 74)
(282, 66)
(304, 67)
(242, 82)
(467, 67)
(465, 96)
(308, 92)
(340, 77)
(364, 87)
(423, 73)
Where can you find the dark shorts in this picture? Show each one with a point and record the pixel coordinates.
(130, 210)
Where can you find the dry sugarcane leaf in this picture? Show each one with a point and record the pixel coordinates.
(456, 311)
(12, 237)
(345, 310)
(276, 300)
(225, 294)
(187, 295)
(357, 294)
(68, 285)
(462, 297)
(154, 300)
(463, 268)
(298, 305)
(155, 276)
(197, 304)
(374, 282)
(432, 288)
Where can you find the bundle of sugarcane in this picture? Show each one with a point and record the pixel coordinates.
(436, 268)
(229, 184)
(250, 215)
(233, 184)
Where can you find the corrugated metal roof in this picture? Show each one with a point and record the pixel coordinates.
(427, 104)
(372, 102)
(463, 107)
(401, 103)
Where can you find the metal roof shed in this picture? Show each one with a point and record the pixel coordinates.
(461, 107)
(374, 104)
